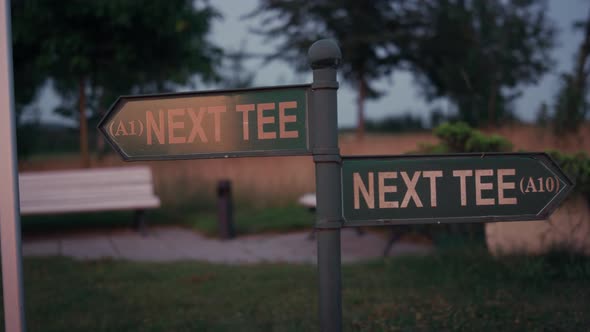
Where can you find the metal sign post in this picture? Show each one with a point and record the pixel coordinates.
(10, 237)
(324, 58)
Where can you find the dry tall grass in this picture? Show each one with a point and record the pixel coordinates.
(269, 181)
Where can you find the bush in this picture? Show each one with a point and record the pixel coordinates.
(460, 137)
(577, 166)
(454, 136)
(395, 124)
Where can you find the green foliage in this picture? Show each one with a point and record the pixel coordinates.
(571, 105)
(571, 102)
(479, 142)
(253, 221)
(479, 53)
(237, 76)
(98, 50)
(32, 139)
(454, 135)
(396, 124)
(460, 137)
(465, 290)
(543, 118)
(364, 30)
(577, 166)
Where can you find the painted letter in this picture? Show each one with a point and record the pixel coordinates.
(502, 200)
(359, 186)
(217, 110)
(262, 120)
(479, 187)
(175, 125)
(411, 192)
(245, 123)
(530, 187)
(158, 128)
(383, 204)
(283, 133)
(463, 183)
(432, 175)
(121, 129)
(197, 125)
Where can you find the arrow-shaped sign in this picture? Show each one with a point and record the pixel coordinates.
(451, 188)
(228, 123)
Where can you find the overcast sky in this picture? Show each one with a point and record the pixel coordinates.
(401, 93)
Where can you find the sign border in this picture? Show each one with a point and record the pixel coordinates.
(545, 159)
(251, 153)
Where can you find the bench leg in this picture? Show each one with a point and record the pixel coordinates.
(393, 237)
(359, 231)
(139, 222)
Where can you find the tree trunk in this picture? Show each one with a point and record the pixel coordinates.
(100, 138)
(492, 102)
(83, 124)
(580, 71)
(360, 129)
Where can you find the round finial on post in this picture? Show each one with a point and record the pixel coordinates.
(324, 53)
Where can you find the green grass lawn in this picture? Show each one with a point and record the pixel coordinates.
(252, 221)
(455, 290)
(247, 220)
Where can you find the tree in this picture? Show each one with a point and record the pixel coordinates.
(364, 31)
(28, 77)
(571, 104)
(236, 75)
(478, 53)
(95, 50)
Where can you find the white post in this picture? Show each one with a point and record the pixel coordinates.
(10, 237)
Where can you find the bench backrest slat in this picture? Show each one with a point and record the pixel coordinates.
(58, 193)
(105, 177)
(87, 190)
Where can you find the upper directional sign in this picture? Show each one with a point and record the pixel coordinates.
(232, 123)
(450, 188)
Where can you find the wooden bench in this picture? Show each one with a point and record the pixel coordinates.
(88, 190)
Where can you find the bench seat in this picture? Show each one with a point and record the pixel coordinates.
(101, 189)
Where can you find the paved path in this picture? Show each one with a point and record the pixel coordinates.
(176, 243)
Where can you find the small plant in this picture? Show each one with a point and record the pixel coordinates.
(454, 136)
(577, 166)
(460, 137)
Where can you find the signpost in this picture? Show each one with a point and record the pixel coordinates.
(230, 123)
(10, 237)
(451, 188)
(351, 191)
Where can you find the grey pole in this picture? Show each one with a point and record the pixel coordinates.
(10, 242)
(324, 58)
(225, 210)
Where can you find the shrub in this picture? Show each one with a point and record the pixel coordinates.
(460, 137)
(577, 166)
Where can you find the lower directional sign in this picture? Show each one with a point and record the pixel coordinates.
(451, 188)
